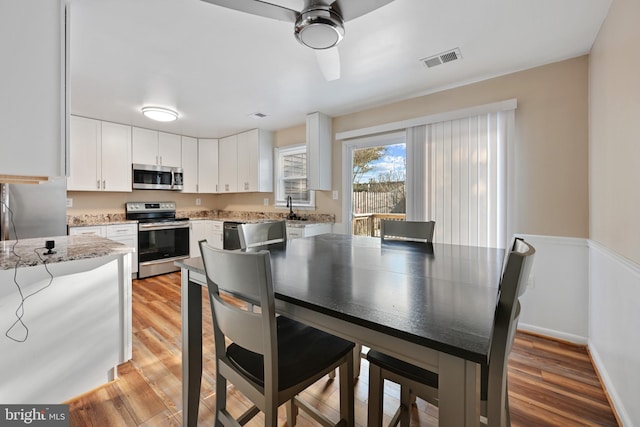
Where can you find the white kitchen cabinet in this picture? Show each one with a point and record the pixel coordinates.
(204, 229)
(33, 114)
(189, 165)
(217, 237)
(319, 143)
(228, 164)
(126, 234)
(200, 165)
(208, 165)
(255, 161)
(169, 151)
(151, 147)
(100, 155)
(307, 230)
(246, 162)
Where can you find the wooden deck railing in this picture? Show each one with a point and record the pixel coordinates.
(368, 224)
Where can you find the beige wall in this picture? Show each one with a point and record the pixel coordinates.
(551, 148)
(614, 89)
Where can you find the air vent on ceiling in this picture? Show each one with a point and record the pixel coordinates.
(441, 58)
(258, 115)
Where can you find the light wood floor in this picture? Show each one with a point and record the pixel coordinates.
(550, 383)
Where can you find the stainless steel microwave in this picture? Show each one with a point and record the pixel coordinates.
(155, 177)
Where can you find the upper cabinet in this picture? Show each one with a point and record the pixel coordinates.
(189, 165)
(255, 161)
(33, 114)
(100, 156)
(319, 143)
(200, 165)
(246, 162)
(228, 164)
(151, 147)
(207, 165)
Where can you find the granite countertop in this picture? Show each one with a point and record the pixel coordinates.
(239, 216)
(67, 248)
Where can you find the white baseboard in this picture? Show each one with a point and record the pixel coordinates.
(564, 336)
(615, 399)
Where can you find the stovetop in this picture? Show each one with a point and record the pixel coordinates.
(152, 211)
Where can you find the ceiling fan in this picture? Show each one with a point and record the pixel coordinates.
(319, 25)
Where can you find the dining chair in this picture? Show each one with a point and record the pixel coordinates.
(413, 231)
(270, 359)
(415, 381)
(262, 234)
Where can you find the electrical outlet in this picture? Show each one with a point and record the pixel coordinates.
(69, 202)
(198, 202)
(335, 195)
(266, 201)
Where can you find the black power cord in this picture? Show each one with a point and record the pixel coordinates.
(23, 298)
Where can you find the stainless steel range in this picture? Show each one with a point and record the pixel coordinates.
(162, 238)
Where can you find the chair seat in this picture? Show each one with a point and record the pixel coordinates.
(404, 369)
(302, 352)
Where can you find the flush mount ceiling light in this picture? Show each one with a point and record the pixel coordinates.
(160, 114)
(319, 28)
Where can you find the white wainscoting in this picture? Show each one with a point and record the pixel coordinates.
(557, 298)
(614, 328)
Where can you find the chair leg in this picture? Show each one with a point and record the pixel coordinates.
(405, 405)
(221, 398)
(346, 391)
(357, 359)
(376, 383)
(292, 413)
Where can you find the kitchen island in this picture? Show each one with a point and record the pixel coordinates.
(65, 318)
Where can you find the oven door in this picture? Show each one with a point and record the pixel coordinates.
(160, 245)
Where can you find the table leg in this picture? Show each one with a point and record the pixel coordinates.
(458, 392)
(191, 307)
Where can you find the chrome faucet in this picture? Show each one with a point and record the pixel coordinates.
(290, 206)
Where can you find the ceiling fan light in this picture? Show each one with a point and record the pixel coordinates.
(319, 28)
(160, 114)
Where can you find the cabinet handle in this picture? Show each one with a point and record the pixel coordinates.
(104, 184)
(160, 160)
(226, 187)
(98, 184)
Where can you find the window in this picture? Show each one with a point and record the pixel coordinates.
(291, 177)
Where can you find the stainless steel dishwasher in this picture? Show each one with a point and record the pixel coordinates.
(231, 237)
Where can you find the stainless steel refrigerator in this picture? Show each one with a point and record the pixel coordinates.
(33, 210)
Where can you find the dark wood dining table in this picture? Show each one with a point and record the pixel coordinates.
(428, 304)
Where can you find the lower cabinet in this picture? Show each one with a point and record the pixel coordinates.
(124, 233)
(307, 230)
(204, 229)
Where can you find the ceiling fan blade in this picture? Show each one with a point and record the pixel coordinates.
(349, 9)
(260, 8)
(329, 62)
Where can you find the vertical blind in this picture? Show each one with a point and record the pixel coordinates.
(292, 175)
(463, 184)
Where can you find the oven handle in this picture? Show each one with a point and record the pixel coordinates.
(152, 227)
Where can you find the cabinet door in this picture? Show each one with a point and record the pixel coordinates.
(319, 143)
(169, 151)
(32, 88)
(255, 161)
(207, 165)
(198, 232)
(84, 154)
(116, 157)
(248, 161)
(190, 164)
(228, 164)
(145, 146)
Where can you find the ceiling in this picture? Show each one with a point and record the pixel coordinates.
(217, 66)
